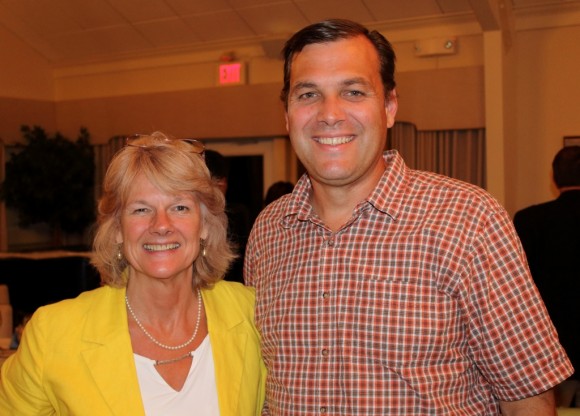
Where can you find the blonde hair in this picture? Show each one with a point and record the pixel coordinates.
(172, 166)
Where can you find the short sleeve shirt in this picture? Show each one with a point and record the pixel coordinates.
(420, 304)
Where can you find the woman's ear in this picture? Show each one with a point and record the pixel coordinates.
(119, 237)
(204, 228)
(204, 232)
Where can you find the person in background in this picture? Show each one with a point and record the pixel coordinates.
(239, 223)
(163, 335)
(381, 289)
(276, 190)
(20, 321)
(550, 234)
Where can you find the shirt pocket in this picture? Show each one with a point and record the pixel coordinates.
(405, 327)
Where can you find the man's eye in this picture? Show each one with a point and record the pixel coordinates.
(355, 93)
(182, 208)
(307, 95)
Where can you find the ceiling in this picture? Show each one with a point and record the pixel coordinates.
(69, 32)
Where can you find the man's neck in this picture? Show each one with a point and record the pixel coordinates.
(335, 204)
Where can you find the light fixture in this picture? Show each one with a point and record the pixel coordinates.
(436, 47)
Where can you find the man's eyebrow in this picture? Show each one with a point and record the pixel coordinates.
(353, 81)
(303, 84)
(347, 82)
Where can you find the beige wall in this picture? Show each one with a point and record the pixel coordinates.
(178, 94)
(449, 98)
(548, 107)
(446, 98)
(26, 89)
(24, 73)
(241, 111)
(14, 112)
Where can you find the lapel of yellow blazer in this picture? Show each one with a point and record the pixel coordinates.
(228, 344)
(109, 355)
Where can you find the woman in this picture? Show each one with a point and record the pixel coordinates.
(164, 335)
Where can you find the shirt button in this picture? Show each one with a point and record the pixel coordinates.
(325, 352)
(325, 295)
(323, 409)
(331, 242)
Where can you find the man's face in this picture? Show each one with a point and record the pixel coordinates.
(337, 114)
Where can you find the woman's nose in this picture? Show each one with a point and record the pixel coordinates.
(161, 223)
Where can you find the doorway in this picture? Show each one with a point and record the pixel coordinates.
(246, 183)
(255, 164)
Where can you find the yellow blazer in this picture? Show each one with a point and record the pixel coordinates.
(76, 357)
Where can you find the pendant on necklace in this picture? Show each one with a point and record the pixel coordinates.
(173, 360)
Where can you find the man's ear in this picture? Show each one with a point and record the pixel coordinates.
(391, 106)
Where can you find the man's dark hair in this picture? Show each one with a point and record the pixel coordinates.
(566, 167)
(276, 190)
(217, 164)
(333, 30)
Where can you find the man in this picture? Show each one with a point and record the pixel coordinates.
(550, 234)
(383, 290)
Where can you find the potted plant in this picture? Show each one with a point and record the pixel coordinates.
(50, 179)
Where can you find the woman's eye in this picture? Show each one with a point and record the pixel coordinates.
(182, 208)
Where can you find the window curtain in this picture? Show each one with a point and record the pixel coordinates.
(3, 231)
(459, 154)
(103, 155)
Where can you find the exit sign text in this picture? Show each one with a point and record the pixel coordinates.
(231, 73)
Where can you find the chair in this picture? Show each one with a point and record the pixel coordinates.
(565, 411)
(6, 324)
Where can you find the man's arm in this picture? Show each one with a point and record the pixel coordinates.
(541, 405)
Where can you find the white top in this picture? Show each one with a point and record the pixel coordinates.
(198, 395)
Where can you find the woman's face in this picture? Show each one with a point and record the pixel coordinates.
(160, 232)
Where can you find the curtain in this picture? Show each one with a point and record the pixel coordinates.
(456, 153)
(103, 155)
(3, 225)
(459, 154)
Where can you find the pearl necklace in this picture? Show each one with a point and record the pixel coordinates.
(168, 347)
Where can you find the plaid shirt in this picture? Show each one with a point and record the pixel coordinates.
(421, 304)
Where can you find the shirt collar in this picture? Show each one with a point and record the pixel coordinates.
(299, 206)
(570, 195)
(387, 196)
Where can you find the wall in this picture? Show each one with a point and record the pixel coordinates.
(548, 107)
(178, 94)
(25, 74)
(15, 112)
(239, 111)
(26, 89)
(446, 98)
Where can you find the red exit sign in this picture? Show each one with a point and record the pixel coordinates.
(231, 73)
